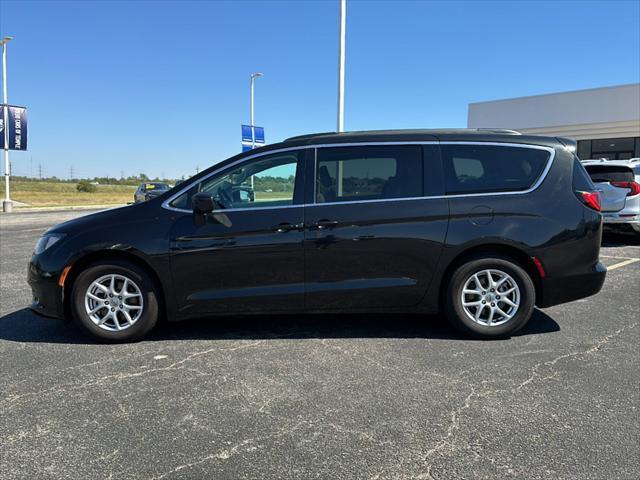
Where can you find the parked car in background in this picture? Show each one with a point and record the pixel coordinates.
(148, 190)
(481, 225)
(619, 182)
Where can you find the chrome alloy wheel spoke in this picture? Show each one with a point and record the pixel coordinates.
(114, 302)
(490, 297)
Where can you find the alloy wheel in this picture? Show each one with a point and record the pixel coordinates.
(490, 297)
(114, 302)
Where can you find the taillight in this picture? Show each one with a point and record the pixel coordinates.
(591, 199)
(634, 187)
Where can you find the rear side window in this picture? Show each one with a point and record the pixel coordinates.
(491, 168)
(610, 173)
(368, 173)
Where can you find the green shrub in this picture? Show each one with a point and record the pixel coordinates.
(85, 186)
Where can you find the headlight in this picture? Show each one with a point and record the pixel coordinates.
(47, 240)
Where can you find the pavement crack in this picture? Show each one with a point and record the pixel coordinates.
(358, 433)
(116, 377)
(226, 453)
(446, 443)
(535, 372)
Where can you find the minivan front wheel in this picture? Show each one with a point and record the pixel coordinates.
(115, 301)
(490, 297)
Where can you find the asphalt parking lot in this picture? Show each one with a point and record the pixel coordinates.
(364, 397)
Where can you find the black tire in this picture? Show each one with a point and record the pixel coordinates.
(148, 289)
(453, 301)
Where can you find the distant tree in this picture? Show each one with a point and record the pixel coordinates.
(143, 177)
(86, 186)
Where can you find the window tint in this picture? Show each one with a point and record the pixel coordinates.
(265, 182)
(368, 173)
(491, 168)
(610, 173)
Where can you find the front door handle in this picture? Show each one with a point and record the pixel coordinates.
(287, 227)
(324, 224)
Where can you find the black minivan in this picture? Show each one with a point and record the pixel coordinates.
(482, 225)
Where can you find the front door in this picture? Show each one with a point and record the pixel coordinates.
(373, 236)
(248, 257)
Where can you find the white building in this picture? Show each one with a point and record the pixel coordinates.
(605, 121)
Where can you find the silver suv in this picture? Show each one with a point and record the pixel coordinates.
(619, 182)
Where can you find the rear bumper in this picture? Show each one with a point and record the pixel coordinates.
(566, 289)
(620, 218)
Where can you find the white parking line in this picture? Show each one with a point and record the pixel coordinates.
(623, 258)
(622, 264)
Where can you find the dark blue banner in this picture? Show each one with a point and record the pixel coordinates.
(17, 127)
(246, 133)
(259, 131)
(252, 137)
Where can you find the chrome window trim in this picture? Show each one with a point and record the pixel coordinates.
(538, 182)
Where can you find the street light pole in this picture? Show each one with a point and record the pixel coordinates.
(6, 203)
(253, 136)
(341, 55)
(253, 130)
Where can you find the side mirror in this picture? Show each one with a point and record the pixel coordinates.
(203, 203)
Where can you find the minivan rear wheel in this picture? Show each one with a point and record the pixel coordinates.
(490, 297)
(115, 301)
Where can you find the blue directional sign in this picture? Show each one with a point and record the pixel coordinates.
(252, 137)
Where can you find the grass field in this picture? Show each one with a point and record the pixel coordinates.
(54, 194)
(58, 194)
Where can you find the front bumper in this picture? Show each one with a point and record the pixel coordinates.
(47, 295)
(567, 289)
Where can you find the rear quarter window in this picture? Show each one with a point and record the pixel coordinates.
(581, 180)
(491, 168)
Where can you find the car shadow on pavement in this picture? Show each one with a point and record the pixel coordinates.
(24, 326)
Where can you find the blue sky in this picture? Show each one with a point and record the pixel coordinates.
(162, 87)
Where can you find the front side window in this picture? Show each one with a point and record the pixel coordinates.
(491, 168)
(368, 173)
(268, 181)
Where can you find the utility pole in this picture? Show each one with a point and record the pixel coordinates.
(341, 56)
(7, 204)
(40, 170)
(71, 173)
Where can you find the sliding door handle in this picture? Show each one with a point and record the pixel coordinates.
(324, 224)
